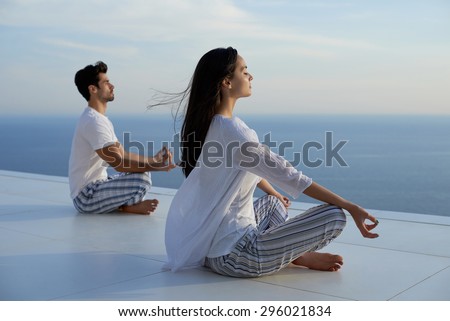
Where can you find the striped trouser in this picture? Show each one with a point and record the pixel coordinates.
(108, 195)
(277, 241)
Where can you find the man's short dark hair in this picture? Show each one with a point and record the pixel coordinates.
(89, 76)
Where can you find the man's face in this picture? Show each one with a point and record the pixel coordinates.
(105, 90)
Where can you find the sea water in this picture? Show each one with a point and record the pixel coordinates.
(395, 163)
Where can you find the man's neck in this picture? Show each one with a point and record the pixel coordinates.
(99, 107)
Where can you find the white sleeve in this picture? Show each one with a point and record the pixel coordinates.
(258, 159)
(99, 134)
(248, 154)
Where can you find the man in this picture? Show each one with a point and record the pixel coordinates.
(95, 143)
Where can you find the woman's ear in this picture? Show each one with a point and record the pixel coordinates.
(226, 83)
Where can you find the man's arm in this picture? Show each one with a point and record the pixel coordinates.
(123, 161)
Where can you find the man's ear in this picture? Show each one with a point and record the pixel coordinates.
(92, 89)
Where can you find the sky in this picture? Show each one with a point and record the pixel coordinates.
(306, 56)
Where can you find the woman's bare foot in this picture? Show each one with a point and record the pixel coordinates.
(145, 207)
(320, 261)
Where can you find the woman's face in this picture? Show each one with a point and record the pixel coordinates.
(240, 85)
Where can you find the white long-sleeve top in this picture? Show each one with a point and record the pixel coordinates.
(213, 208)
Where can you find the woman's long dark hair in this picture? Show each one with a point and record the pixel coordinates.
(204, 96)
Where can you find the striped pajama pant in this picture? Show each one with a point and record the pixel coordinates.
(108, 195)
(277, 240)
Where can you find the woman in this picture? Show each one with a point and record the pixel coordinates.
(213, 220)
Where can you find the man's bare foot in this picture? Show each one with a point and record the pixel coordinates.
(145, 207)
(320, 261)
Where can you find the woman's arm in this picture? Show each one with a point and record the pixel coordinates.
(359, 214)
(259, 160)
(266, 187)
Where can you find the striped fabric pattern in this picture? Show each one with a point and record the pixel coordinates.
(277, 241)
(110, 194)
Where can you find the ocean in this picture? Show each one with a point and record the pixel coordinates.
(394, 163)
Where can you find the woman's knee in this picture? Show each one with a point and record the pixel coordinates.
(338, 215)
(273, 200)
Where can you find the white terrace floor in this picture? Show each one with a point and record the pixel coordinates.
(49, 252)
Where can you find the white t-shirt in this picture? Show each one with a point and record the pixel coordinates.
(213, 208)
(94, 131)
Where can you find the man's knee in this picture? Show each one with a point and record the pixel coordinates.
(146, 182)
(144, 178)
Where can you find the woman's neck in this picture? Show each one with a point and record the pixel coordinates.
(226, 107)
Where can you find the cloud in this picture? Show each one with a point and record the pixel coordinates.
(291, 46)
(165, 21)
(138, 20)
(121, 51)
